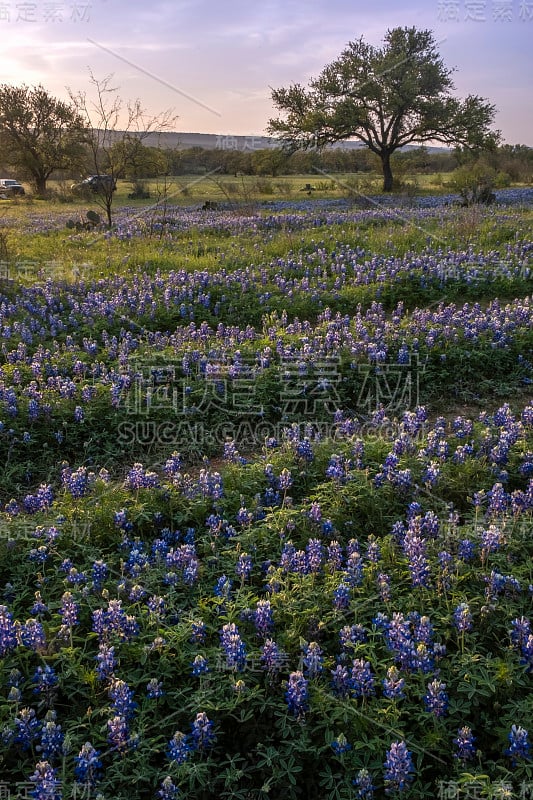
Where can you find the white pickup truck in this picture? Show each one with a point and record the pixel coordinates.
(10, 188)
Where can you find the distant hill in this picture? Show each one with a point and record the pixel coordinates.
(212, 141)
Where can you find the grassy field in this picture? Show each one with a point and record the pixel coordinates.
(267, 495)
(187, 189)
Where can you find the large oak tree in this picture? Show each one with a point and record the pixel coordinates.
(386, 97)
(38, 132)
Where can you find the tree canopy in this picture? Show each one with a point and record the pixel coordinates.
(38, 132)
(386, 97)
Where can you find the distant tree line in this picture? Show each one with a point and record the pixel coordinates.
(42, 138)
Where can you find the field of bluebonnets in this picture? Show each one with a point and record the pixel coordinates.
(267, 502)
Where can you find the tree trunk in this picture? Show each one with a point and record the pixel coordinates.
(108, 204)
(387, 172)
(40, 185)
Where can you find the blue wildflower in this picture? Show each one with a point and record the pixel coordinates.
(297, 694)
(519, 745)
(465, 744)
(398, 768)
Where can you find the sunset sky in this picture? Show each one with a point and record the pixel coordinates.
(213, 62)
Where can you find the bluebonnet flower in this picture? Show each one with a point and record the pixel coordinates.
(519, 746)
(490, 541)
(340, 745)
(338, 468)
(122, 696)
(373, 552)
(199, 632)
(52, 737)
(173, 464)
(45, 680)
(341, 597)
(466, 550)
(397, 636)
(243, 567)
(423, 629)
(520, 632)
(106, 661)
(8, 636)
(315, 554)
(202, 732)
(38, 554)
(114, 621)
(351, 635)
(414, 547)
(462, 617)
(358, 451)
(27, 728)
(39, 502)
(272, 657)
(244, 517)
(76, 577)
(168, 789)
(47, 785)
(353, 574)
(222, 588)
(313, 659)
(399, 770)
(393, 685)
(341, 681)
(364, 788)
(233, 646)
(121, 520)
(431, 473)
(179, 748)
(139, 478)
(284, 480)
(118, 734)
(315, 512)
(69, 610)
(38, 607)
(88, 766)
(498, 499)
(362, 683)
(154, 689)
(32, 635)
(383, 581)
(263, 620)
(200, 666)
(78, 482)
(297, 694)
(465, 744)
(136, 593)
(334, 556)
(99, 573)
(436, 699)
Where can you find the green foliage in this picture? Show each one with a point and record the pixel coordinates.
(39, 133)
(262, 750)
(386, 98)
(475, 184)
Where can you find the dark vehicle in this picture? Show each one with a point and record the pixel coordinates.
(10, 188)
(96, 183)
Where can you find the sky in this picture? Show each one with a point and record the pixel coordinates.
(213, 63)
